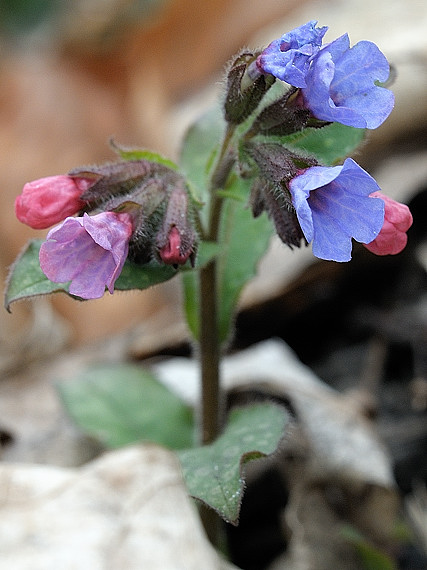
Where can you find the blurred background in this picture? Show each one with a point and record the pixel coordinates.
(75, 74)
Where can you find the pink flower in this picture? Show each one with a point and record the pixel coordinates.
(89, 251)
(47, 201)
(397, 220)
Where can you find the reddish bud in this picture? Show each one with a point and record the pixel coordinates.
(176, 240)
(172, 253)
(392, 238)
(47, 201)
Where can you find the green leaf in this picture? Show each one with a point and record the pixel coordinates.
(27, 280)
(207, 251)
(122, 404)
(198, 148)
(214, 473)
(243, 241)
(372, 558)
(142, 154)
(330, 144)
(191, 301)
(143, 276)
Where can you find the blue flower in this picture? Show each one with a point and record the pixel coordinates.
(342, 84)
(288, 58)
(333, 206)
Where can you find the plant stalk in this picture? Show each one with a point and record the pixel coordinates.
(209, 355)
(209, 343)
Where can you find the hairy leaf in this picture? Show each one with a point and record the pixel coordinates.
(214, 473)
(198, 149)
(142, 154)
(27, 280)
(330, 144)
(243, 241)
(122, 404)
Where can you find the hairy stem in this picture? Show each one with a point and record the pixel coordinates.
(209, 355)
(209, 345)
(210, 413)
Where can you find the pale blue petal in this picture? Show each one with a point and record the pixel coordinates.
(333, 205)
(341, 85)
(288, 58)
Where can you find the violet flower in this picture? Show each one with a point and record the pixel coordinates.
(49, 200)
(342, 84)
(288, 58)
(333, 205)
(392, 238)
(89, 251)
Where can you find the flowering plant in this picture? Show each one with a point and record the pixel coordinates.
(273, 158)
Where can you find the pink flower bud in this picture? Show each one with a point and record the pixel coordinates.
(176, 239)
(47, 201)
(88, 251)
(397, 220)
(172, 253)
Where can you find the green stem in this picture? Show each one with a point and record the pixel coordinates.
(210, 380)
(209, 355)
(209, 345)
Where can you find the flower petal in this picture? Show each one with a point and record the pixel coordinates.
(333, 205)
(392, 238)
(342, 84)
(49, 200)
(288, 58)
(88, 251)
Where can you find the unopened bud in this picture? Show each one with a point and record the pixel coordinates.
(244, 89)
(172, 253)
(177, 239)
(49, 200)
(392, 238)
(281, 118)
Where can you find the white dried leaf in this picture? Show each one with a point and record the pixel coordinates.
(128, 509)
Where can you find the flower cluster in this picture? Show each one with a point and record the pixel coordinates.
(142, 210)
(338, 83)
(136, 209)
(328, 206)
